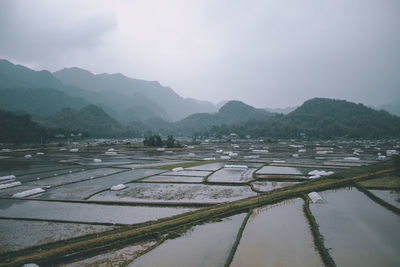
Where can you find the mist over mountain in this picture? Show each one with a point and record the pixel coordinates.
(17, 76)
(21, 129)
(124, 98)
(113, 105)
(91, 120)
(231, 112)
(151, 93)
(320, 118)
(39, 102)
(285, 111)
(392, 107)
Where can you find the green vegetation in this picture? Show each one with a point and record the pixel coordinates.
(161, 101)
(39, 102)
(156, 141)
(21, 129)
(91, 120)
(320, 118)
(231, 112)
(237, 240)
(396, 163)
(386, 182)
(317, 237)
(378, 200)
(147, 107)
(171, 142)
(153, 141)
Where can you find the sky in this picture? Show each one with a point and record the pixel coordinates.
(265, 53)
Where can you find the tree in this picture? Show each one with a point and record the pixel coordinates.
(170, 141)
(153, 141)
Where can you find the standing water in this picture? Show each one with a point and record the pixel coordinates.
(277, 235)
(204, 245)
(358, 231)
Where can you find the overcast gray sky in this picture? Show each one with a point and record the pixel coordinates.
(265, 53)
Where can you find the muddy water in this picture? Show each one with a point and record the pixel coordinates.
(268, 186)
(119, 257)
(390, 196)
(165, 179)
(203, 245)
(152, 192)
(188, 173)
(277, 235)
(82, 190)
(279, 170)
(208, 167)
(82, 212)
(229, 175)
(16, 234)
(74, 177)
(358, 231)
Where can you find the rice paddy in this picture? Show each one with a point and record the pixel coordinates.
(207, 213)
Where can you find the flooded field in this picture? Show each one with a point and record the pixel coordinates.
(279, 170)
(120, 257)
(20, 234)
(90, 188)
(232, 175)
(82, 212)
(268, 186)
(85, 189)
(149, 192)
(277, 235)
(358, 231)
(198, 247)
(390, 196)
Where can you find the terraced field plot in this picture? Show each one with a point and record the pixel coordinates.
(203, 215)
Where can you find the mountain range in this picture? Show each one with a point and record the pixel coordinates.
(124, 98)
(113, 105)
(320, 118)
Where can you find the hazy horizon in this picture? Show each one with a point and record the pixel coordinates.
(264, 53)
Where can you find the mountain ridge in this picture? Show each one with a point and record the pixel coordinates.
(175, 106)
(320, 118)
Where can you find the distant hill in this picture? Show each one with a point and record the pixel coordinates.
(236, 111)
(39, 102)
(124, 98)
(91, 120)
(21, 129)
(152, 93)
(281, 110)
(393, 107)
(17, 76)
(321, 118)
(231, 112)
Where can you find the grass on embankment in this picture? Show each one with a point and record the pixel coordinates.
(237, 240)
(317, 237)
(386, 182)
(184, 165)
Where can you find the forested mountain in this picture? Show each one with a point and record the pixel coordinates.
(17, 76)
(79, 101)
(321, 118)
(20, 129)
(91, 120)
(231, 112)
(39, 102)
(124, 98)
(392, 107)
(152, 93)
(281, 110)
